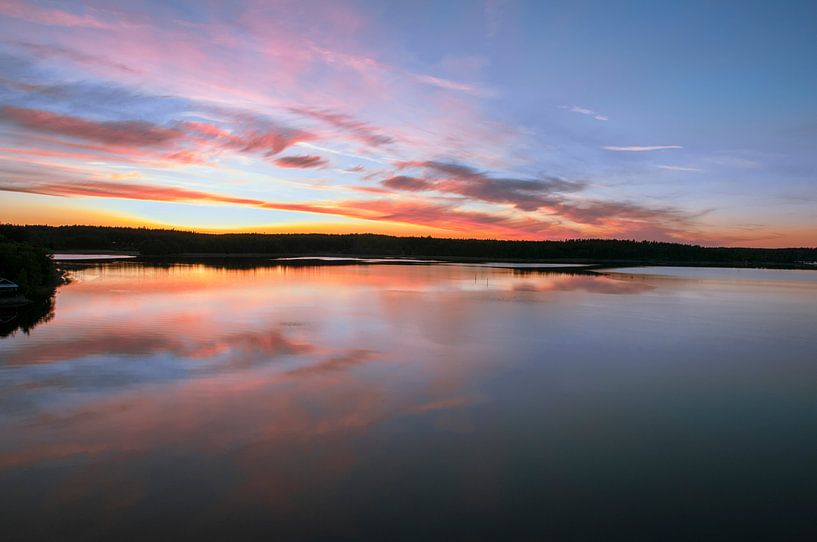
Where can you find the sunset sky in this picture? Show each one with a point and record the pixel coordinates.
(684, 121)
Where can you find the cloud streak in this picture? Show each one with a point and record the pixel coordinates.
(362, 131)
(410, 184)
(448, 84)
(549, 195)
(642, 149)
(434, 215)
(123, 190)
(454, 178)
(584, 111)
(678, 168)
(117, 133)
(301, 161)
(182, 141)
(56, 52)
(51, 17)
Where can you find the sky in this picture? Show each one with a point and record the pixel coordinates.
(676, 121)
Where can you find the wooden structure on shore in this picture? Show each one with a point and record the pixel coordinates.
(8, 288)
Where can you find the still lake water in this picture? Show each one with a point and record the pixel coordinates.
(413, 402)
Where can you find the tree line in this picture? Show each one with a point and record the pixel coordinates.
(29, 267)
(162, 242)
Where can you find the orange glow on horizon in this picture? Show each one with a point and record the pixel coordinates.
(93, 217)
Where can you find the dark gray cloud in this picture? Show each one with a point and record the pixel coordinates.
(544, 193)
(411, 184)
(453, 178)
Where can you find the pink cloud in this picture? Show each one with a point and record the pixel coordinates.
(272, 141)
(211, 131)
(126, 133)
(250, 135)
(301, 161)
(358, 129)
(417, 212)
(411, 184)
(52, 17)
(104, 189)
(52, 51)
(188, 140)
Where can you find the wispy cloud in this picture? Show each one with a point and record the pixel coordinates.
(453, 178)
(678, 168)
(448, 84)
(410, 184)
(408, 211)
(48, 16)
(550, 195)
(301, 161)
(643, 149)
(736, 161)
(588, 217)
(125, 190)
(358, 129)
(52, 51)
(584, 111)
(179, 141)
(129, 133)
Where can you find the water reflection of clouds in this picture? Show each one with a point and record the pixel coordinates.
(253, 387)
(241, 348)
(280, 436)
(600, 284)
(163, 343)
(99, 366)
(132, 325)
(338, 362)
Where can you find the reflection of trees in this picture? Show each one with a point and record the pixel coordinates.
(26, 317)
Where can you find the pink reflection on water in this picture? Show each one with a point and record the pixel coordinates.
(262, 378)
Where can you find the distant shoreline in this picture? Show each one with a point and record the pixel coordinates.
(142, 244)
(303, 260)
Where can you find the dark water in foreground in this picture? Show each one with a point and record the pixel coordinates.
(413, 403)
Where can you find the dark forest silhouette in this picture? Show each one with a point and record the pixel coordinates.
(37, 277)
(28, 266)
(158, 242)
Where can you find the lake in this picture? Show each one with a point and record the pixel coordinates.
(413, 402)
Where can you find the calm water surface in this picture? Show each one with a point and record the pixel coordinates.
(388, 402)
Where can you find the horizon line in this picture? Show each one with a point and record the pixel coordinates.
(495, 239)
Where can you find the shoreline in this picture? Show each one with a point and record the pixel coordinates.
(327, 259)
